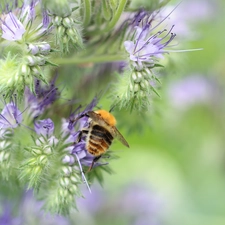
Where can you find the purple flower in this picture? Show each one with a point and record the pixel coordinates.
(147, 46)
(44, 127)
(45, 96)
(12, 28)
(10, 116)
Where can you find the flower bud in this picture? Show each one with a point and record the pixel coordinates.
(4, 144)
(31, 60)
(67, 170)
(68, 22)
(136, 88)
(139, 76)
(24, 69)
(33, 49)
(40, 61)
(75, 179)
(68, 159)
(63, 193)
(42, 159)
(47, 150)
(134, 76)
(35, 70)
(57, 21)
(44, 48)
(61, 31)
(64, 181)
(37, 170)
(73, 189)
(37, 151)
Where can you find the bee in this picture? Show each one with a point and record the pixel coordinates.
(100, 132)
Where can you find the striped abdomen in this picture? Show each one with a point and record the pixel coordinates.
(98, 140)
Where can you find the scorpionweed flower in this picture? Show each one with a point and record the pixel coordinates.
(25, 53)
(10, 116)
(45, 95)
(12, 28)
(147, 46)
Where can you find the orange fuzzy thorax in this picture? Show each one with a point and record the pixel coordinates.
(107, 117)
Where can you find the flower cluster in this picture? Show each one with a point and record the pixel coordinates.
(26, 53)
(146, 46)
(51, 162)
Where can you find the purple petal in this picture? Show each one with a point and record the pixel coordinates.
(44, 127)
(10, 116)
(12, 28)
(129, 46)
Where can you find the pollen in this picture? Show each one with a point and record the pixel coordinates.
(107, 117)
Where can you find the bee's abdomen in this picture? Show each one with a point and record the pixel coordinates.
(99, 140)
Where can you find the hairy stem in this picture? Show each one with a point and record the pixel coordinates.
(94, 59)
(87, 12)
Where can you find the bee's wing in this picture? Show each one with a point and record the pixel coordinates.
(120, 137)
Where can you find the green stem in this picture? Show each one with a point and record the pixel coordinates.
(93, 59)
(87, 12)
(119, 11)
(115, 18)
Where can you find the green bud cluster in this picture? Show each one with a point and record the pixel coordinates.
(63, 189)
(67, 33)
(135, 89)
(19, 70)
(35, 167)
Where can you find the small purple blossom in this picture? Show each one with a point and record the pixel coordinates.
(45, 96)
(12, 28)
(147, 46)
(44, 127)
(10, 116)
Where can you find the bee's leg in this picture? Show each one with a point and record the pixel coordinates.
(81, 133)
(93, 162)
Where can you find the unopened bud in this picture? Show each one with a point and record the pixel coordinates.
(43, 159)
(75, 179)
(57, 21)
(67, 170)
(64, 182)
(37, 151)
(33, 49)
(47, 150)
(31, 60)
(44, 48)
(68, 22)
(24, 69)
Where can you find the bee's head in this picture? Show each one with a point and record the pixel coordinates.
(106, 116)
